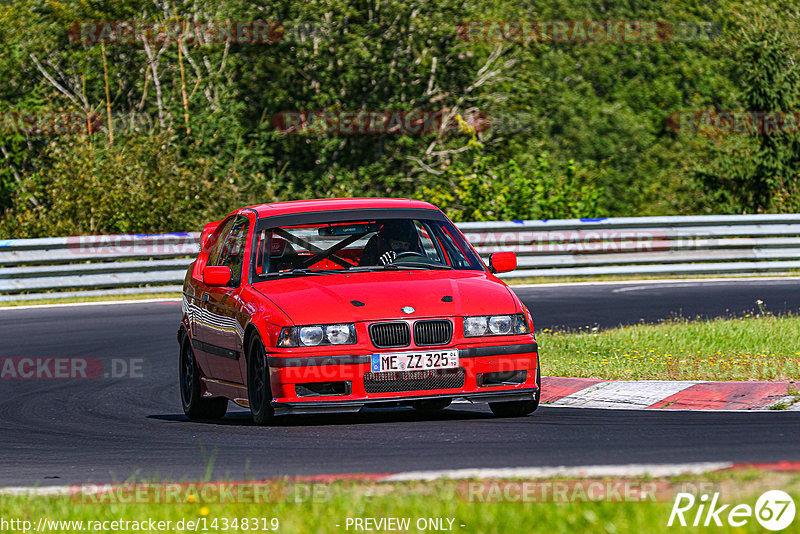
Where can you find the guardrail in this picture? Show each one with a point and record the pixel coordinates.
(725, 244)
(708, 244)
(95, 265)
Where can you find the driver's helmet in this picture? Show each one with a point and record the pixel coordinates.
(400, 235)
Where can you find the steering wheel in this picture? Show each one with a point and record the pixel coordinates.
(417, 258)
(409, 254)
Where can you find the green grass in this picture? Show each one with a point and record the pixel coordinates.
(335, 502)
(509, 281)
(754, 347)
(642, 277)
(97, 298)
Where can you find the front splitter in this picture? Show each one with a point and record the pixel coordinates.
(352, 406)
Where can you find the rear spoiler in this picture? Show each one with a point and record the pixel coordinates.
(207, 231)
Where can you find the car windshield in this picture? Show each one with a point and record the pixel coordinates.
(361, 245)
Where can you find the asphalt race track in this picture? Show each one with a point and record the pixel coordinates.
(609, 305)
(57, 432)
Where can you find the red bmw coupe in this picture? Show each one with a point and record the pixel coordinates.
(333, 305)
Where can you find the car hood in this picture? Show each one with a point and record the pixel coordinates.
(325, 299)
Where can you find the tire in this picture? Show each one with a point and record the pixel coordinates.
(194, 405)
(259, 392)
(431, 405)
(519, 408)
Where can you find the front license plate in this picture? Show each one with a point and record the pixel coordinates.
(414, 361)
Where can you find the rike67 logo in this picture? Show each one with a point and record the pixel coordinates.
(774, 510)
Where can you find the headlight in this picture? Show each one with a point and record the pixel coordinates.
(314, 335)
(338, 334)
(475, 326)
(496, 325)
(500, 324)
(311, 335)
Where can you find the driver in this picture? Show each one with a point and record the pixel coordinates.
(395, 237)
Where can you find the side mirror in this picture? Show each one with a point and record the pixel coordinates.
(502, 262)
(216, 276)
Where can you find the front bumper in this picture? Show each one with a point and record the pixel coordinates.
(476, 361)
(318, 407)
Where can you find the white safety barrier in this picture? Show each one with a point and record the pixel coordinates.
(715, 244)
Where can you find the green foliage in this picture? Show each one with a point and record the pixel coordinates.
(485, 189)
(589, 135)
(760, 172)
(133, 186)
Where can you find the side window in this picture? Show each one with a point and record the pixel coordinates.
(232, 254)
(216, 248)
(427, 242)
(281, 255)
(451, 248)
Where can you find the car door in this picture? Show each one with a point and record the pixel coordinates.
(195, 303)
(223, 322)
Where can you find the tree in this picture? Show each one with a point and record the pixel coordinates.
(759, 173)
(479, 187)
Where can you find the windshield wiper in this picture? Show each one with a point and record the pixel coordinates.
(304, 272)
(399, 266)
(369, 268)
(422, 265)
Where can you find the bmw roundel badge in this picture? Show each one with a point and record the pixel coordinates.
(408, 309)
